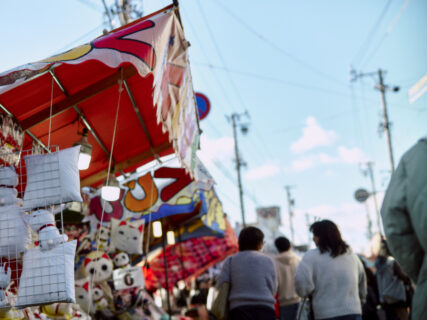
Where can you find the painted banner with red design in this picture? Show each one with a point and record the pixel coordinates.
(163, 192)
(154, 45)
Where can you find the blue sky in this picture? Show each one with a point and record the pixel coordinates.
(286, 63)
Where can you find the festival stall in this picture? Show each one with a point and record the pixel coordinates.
(122, 100)
(156, 204)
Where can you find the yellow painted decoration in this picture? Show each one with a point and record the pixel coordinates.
(183, 200)
(72, 54)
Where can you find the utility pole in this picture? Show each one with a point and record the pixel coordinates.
(369, 171)
(291, 203)
(125, 10)
(369, 234)
(235, 121)
(385, 125)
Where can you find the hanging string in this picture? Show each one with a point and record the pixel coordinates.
(110, 160)
(50, 114)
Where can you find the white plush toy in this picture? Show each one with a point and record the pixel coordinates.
(43, 223)
(121, 260)
(98, 298)
(83, 293)
(4, 283)
(98, 266)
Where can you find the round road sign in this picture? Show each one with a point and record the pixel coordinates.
(361, 195)
(203, 105)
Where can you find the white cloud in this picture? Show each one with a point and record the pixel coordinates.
(343, 155)
(351, 155)
(302, 164)
(215, 149)
(313, 136)
(262, 172)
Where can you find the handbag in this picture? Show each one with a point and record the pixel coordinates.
(391, 288)
(305, 310)
(220, 305)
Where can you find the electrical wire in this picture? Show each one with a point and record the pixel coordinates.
(236, 91)
(386, 34)
(271, 79)
(230, 78)
(68, 46)
(229, 175)
(294, 84)
(276, 47)
(224, 92)
(367, 43)
(91, 5)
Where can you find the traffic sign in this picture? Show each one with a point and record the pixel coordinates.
(361, 195)
(203, 105)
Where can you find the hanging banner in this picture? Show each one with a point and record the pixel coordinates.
(166, 191)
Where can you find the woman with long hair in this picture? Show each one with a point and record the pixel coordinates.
(332, 275)
(252, 278)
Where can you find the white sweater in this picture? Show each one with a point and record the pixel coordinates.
(337, 285)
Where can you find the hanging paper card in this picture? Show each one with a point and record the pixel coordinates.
(128, 278)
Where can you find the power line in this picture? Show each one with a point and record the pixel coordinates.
(226, 173)
(286, 82)
(91, 5)
(221, 87)
(268, 78)
(230, 78)
(278, 48)
(388, 31)
(87, 34)
(218, 50)
(367, 43)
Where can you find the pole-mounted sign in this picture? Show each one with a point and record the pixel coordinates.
(361, 195)
(203, 105)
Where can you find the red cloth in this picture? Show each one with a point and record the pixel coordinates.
(277, 306)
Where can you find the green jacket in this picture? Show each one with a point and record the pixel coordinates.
(404, 213)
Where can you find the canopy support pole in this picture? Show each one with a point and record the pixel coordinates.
(141, 121)
(165, 263)
(41, 144)
(78, 97)
(181, 255)
(80, 114)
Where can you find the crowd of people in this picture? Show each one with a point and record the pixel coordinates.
(329, 282)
